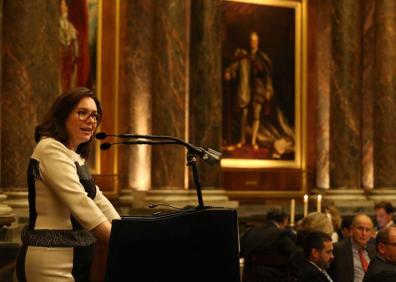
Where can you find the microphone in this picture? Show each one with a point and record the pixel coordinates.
(211, 156)
(100, 135)
(106, 146)
(208, 155)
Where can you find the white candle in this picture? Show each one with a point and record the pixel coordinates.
(319, 204)
(305, 205)
(292, 211)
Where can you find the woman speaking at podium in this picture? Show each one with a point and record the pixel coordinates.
(67, 211)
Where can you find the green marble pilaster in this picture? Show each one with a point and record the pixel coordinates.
(30, 54)
(345, 95)
(205, 112)
(136, 79)
(1, 72)
(323, 58)
(385, 95)
(368, 90)
(170, 91)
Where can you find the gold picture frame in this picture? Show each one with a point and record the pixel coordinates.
(263, 17)
(105, 163)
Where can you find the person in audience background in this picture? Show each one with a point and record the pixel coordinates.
(266, 249)
(67, 211)
(335, 217)
(383, 267)
(313, 222)
(383, 214)
(318, 251)
(353, 255)
(345, 230)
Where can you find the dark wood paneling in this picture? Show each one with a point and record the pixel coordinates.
(263, 180)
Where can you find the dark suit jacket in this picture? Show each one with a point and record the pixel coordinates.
(341, 269)
(266, 250)
(310, 273)
(380, 271)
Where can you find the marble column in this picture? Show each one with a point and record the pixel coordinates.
(1, 75)
(368, 90)
(170, 91)
(385, 95)
(205, 114)
(136, 80)
(345, 95)
(323, 58)
(29, 80)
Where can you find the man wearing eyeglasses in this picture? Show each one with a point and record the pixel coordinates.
(352, 255)
(383, 266)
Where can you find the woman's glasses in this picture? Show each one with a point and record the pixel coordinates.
(84, 115)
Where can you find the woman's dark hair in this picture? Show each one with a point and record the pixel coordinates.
(54, 123)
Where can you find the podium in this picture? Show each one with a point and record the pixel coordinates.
(187, 245)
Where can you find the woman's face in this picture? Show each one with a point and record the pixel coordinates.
(81, 122)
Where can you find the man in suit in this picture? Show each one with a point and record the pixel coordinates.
(352, 255)
(383, 266)
(318, 250)
(266, 249)
(383, 214)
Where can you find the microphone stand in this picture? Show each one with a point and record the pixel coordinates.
(192, 155)
(192, 162)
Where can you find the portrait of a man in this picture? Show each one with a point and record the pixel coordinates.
(258, 81)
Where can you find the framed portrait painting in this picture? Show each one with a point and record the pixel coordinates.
(263, 59)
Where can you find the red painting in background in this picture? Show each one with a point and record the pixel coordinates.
(74, 50)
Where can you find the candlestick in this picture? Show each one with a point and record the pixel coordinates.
(292, 211)
(319, 203)
(305, 205)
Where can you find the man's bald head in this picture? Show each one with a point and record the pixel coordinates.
(362, 229)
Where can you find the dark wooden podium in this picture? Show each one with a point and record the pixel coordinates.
(188, 245)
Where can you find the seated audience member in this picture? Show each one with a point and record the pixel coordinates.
(335, 217)
(345, 230)
(266, 249)
(383, 267)
(383, 214)
(314, 221)
(352, 256)
(318, 251)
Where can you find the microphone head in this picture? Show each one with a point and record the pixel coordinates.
(100, 135)
(211, 156)
(105, 146)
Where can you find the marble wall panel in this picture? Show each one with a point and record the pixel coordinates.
(136, 90)
(323, 57)
(30, 53)
(368, 89)
(345, 99)
(169, 88)
(385, 95)
(205, 116)
(1, 71)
